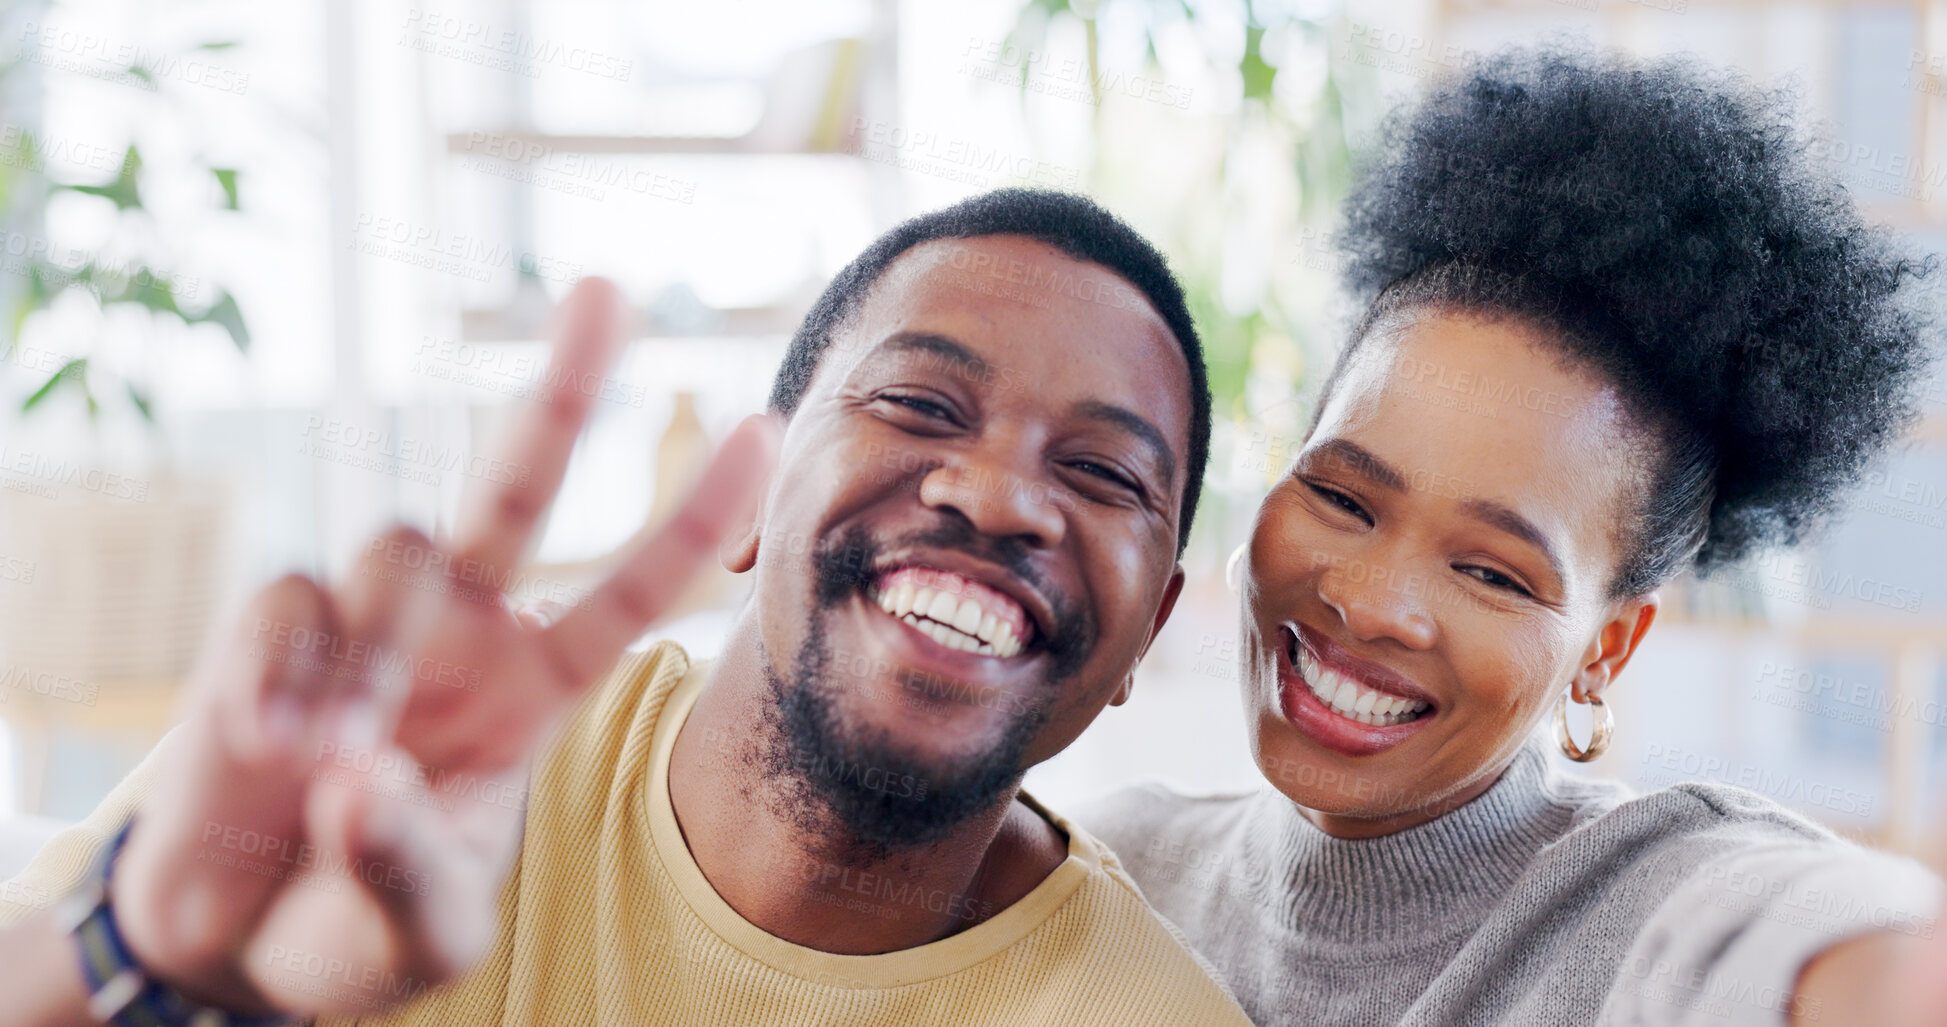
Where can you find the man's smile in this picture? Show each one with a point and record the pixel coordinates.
(954, 611)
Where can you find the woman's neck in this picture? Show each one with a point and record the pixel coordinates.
(1352, 827)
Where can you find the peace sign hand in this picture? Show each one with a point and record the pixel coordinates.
(312, 729)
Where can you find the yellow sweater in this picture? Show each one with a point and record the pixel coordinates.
(606, 919)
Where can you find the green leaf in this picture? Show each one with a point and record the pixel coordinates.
(227, 178)
(224, 312)
(122, 191)
(220, 44)
(23, 309)
(1257, 74)
(76, 369)
(38, 292)
(145, 288)
(141, 402)
(143, 73)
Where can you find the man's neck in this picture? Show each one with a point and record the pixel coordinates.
(803, 879)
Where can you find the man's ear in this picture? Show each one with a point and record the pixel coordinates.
(1614, 644)
(738, 550)
(738, 553)
(1170, 593)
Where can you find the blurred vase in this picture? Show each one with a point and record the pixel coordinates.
(680, 457)
(681, 454)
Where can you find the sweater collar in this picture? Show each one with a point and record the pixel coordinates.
(1441, 876)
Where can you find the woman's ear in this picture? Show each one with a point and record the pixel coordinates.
(1613, 645)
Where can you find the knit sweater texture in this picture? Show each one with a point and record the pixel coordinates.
(1551, 899)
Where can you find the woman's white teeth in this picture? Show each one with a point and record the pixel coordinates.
(957, 622)
(1349, 699)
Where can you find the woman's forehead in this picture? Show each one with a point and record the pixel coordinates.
(1489, 407)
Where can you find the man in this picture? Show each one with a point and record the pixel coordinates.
(996, 420)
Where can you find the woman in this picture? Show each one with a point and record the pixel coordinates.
(1615, 328)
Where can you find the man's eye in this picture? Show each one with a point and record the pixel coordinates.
(924, 406)
(1495, 578)
(1340, 500)
(1106, 473)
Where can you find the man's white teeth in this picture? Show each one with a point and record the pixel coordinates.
(1349, 699)
(957, 622)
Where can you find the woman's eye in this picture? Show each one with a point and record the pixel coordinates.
(1340, 500)
(1495, 578)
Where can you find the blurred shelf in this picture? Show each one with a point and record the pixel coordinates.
(470, 143)
(499, 325)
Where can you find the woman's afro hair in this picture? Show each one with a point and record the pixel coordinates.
(1670, 224)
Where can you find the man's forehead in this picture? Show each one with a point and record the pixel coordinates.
(1039, 272)
(961, 251)
(1020, 302)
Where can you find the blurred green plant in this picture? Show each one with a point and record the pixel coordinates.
(1312, 128)
(44, 276)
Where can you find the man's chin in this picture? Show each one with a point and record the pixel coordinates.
(893, 775)
(895, 778)
(892, 734)
(939, 725)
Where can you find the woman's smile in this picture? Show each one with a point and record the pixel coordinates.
(1344, 702)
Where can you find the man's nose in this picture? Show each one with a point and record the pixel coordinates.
(1002, 495)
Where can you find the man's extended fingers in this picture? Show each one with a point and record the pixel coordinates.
(373, 597)
(433, 847)
(586, 641)
(239, 761)
(499, 518)
(392, 604)
(255, 682)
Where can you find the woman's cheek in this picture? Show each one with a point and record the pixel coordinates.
(1523, 665)
(1286, 543)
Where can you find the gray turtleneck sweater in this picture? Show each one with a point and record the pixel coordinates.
(1550, 900)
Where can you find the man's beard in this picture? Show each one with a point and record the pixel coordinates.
(883, 796)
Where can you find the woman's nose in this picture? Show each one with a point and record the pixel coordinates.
(1378, 601)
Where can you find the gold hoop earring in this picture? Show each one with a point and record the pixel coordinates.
(1605, 727)
(1233, 565)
